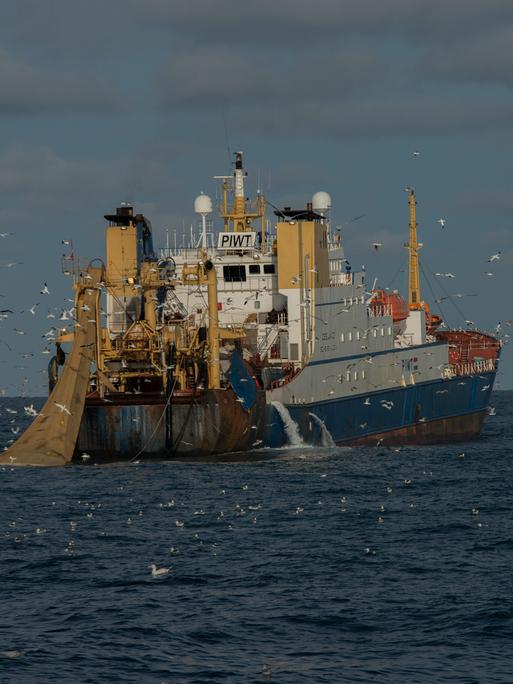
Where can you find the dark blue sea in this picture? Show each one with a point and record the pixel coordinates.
(293, 566)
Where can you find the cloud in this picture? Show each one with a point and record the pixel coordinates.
(481, 59)
(225, 76)
(485, 202)
(302, 20)
(364, 86)
(381, 116)
(29, 89)
(39, 182)
(85, 23)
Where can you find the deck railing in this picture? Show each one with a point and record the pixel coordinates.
(377, 310)
(473, 368)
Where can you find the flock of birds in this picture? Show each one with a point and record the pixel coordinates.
(63, 318)
(226, 512)
(200, 531)
(492, 259)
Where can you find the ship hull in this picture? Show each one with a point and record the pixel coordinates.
(207, 423)
(215, 422)
(443, 431)
(426, 413)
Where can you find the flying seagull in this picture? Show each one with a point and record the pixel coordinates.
(63, 408)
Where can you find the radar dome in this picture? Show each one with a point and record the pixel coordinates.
(203, 204)
(321, 202)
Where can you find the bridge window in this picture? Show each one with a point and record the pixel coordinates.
(268, 268)
(254, 268)
(234, 274)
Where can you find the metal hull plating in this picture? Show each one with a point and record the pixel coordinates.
(212, 422)
(216, 423)
(425, 413)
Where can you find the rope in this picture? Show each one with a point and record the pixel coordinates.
(156, 426)
(399, 270)
(433, 294)
(451, 299)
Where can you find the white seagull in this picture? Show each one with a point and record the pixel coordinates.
(62, 408)
(158, 572)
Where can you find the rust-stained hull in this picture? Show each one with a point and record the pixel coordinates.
(198, 424)
(442, 431)
(450, 410)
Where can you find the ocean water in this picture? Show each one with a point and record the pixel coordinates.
(298, 566)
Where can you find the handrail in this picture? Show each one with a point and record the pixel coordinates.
(379, 310)
(474, 367)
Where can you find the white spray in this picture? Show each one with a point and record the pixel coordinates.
(327, 439)
(290, 425)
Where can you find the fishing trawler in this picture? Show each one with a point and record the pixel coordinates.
(259, 335)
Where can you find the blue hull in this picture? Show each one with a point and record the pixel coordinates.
(431, 412)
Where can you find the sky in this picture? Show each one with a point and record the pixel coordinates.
(145, 100)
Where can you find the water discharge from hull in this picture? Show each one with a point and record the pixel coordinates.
(327, 439)
(290, 425)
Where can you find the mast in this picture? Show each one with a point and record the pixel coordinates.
(413, 257)
(239, 201)
(239, 218)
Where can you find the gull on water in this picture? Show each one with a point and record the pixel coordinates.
(158, 572)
